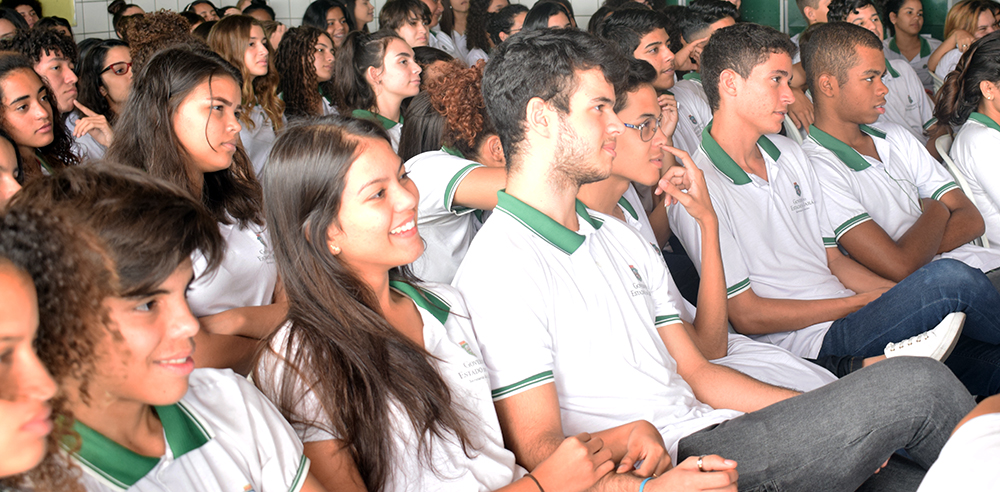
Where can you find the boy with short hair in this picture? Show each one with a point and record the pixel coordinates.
(891, 206)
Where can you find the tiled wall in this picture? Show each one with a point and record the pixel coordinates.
(94, 21)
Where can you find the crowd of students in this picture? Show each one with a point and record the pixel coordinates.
(235, 256)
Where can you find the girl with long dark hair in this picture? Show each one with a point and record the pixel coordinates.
(330, 16)
(105, 79)
(306, 63)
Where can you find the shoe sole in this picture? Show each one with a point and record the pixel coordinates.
(955, 322)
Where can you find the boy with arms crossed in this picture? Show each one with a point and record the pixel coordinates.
(578, 328)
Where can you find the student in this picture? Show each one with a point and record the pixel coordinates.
(547, 15)
(11, 169)
(11, 22)
(343, 243)
(31, 119)
(434, 64)
(53, 56)
(374, 73)
(907, 104)
(906, 19)
(105, 73)
(814, 12)
(812, 300)
(180, 124)
(966, 22)
(406, 19)
(639, 160)
(458, 180)
(121, 13)
(57, 24)
(453, 24)
(506, 23)
(264, 13)
(967, 459)
(438, 39)
(801, 110)
(892, 207)
(477, 40)
(240, 40)
(577, 329)
(147, 34)
(204, 9)
(146, 419)
(30, 10)
(305, 63)
(329, 16)
(361, 13)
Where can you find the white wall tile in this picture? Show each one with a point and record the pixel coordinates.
(95, 17)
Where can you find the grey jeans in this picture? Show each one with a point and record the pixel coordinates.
(833, 438)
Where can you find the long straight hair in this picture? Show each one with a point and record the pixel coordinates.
(359, 52)
(229, 38)
(352, 359)
(145, 136)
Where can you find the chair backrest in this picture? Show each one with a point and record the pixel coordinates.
(943, 146)
(791, 131)
(938, 82)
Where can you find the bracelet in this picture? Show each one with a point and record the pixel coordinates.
(643, 484)
(533, 479)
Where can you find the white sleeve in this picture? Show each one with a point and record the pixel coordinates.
(931, 178)
(667, 301)
(983, 169)
(844, 210)
(438, 176)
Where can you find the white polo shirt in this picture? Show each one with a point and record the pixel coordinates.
(693, 112)
(906, 104)
(442, 41)
(85, 147)
(976, 147)
(447, 230)
(454, 351)
(968, 460)
(919, 62)
(948, 63)
(393, 128)
(798, 52)
(257, 141)
(859, 188)
(773, 233)
(246, 276)
(222, 436)
(579, 309)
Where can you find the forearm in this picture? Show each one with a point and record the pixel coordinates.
(855, 276)
(710, 332)
(962, 227)
(224, 352)
(252, 321)
(659, 222)
(766, 315)
(914, 249)
(946, 46)
(722, 387)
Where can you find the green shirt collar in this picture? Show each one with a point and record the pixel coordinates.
(123, 467)
(850, 157)
(925, 47)
(368, 115)
(425, 299)
(628, 207)
(551, 231)
(692, 76)
(892, 71)
(726, 164)
(453, 151)
(986, 120)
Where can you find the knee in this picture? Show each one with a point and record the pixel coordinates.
(948, 274)
(923, 378)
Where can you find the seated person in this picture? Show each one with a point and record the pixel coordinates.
(639, 159)
(968, 459)
(971, 102)
(906, 19)
(801, 111)
(578, 328)
(966, 22)
(147, 420)
(809, 298)
(892, 207)
(907, 104)
(506, 23)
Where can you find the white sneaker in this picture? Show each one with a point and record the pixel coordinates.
(936, 344)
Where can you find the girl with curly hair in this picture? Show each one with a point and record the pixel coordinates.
(29, 115)
(240, 40)
(306, 63)
(181, 123)
(477, 41)
(374, 74)
(381, 374)
(459, 180)
(144, 418)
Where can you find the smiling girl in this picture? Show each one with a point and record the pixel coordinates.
(240, 40)
(330, 16)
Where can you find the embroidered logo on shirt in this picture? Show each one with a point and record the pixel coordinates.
(635, 272)
(798, 191)
(248, 488)
(693, 121)
(910, 99)
(466, 347)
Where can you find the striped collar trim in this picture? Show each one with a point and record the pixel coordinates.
(543, 226)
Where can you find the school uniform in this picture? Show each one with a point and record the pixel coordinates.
(86, 147)
(246, 276)
(454, 352)
(975, 149)
(393, 128)
(442, 41)
(258, 138)
(906, 104)
(919, 62)
(948, 63)
(858, 188)
(222, 436)
(968, 460)
(693, 112)
(447, 229)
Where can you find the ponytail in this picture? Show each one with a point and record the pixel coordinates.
(960, 95)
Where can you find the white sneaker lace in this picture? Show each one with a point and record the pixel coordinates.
(909, 341)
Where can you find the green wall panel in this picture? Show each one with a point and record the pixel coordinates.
(769, 12)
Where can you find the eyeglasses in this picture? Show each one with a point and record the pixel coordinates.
(120, 68)
(647, 128)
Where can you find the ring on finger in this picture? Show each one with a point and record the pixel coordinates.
(701, 463)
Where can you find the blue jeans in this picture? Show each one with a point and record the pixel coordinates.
(834, 437)
(918, 304)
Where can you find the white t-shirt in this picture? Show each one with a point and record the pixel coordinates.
(85, 147)
(693, 112)
(858, 188)
(761, 361)
(948, 63)
(968, 461)
(246, 276)
(919, 62)
(798, 53)
(447, 230)
(906, 104)
(976, 147)
(443, 42)
(579, 309)
(451, 342)
(773, 233)
(257, 141)
(222, 436)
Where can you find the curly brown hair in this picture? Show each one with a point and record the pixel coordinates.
(155, 31)
(72, 274)
(298, 85)
(459, 97)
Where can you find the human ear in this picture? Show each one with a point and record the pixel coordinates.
(540, 117)
(728, 82)
(989, 89)
(827, 85)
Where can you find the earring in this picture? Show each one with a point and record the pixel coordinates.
(334, 249)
